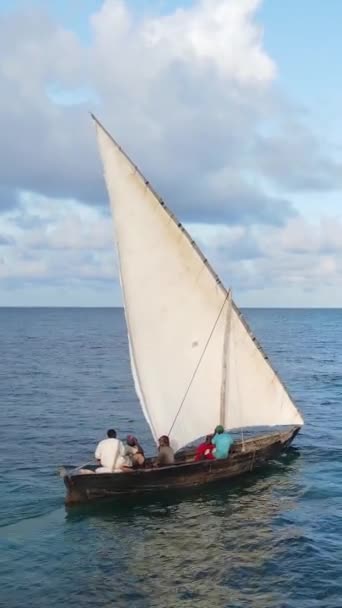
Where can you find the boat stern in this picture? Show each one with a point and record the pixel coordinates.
(73, 494)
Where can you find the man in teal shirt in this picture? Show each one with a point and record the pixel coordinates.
(222, 442)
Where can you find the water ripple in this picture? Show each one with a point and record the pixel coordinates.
(271, 540)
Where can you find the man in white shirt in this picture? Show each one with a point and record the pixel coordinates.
(110, 453)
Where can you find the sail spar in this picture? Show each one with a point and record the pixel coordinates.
(173, 303)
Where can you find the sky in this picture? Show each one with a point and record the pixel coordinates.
(231, 108)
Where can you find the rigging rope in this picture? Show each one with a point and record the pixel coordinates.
(199, 362)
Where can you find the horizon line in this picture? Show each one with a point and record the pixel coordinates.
(80, 307)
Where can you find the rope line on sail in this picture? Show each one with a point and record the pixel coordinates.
(199, 361)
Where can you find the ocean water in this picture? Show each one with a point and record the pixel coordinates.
(272, 539)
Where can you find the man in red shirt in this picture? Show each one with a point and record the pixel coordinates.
(204, 450)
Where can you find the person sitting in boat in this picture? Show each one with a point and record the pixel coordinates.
(222, 442)
(166, 455)
(110, 454)
(205, 450)
(134, 451)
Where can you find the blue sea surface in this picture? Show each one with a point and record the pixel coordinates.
(272, 539)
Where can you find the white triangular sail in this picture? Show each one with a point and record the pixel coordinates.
(254, 395)
(176, 310)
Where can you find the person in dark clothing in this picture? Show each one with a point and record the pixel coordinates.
(166, 455)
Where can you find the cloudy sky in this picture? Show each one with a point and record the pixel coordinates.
(232, 108)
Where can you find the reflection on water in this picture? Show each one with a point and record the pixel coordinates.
(214, 544)
(270, 540)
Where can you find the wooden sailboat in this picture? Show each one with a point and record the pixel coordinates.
(194, 360)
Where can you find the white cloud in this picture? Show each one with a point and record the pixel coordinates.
(185, 92)
(16, 266)
(296, 259)
(191, 96)
(216, 34)
(301, 236)
(55, 240)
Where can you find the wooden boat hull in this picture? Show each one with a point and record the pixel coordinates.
(185, 473)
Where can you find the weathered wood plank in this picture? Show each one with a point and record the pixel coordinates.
(186, 473)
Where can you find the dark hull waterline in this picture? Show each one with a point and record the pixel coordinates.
(186, 473)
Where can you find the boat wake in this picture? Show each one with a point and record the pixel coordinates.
(21, 528)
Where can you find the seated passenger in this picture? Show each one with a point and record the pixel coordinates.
(166, 455)
(205, 450)
(222, 442)
(134, 451)
(110, 454)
